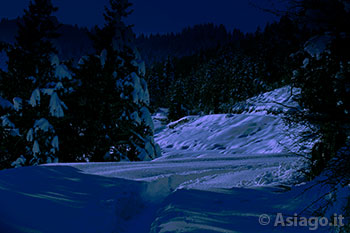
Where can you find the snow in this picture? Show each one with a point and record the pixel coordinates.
(35, 98)
(200, 171)
(55, 143)
(5, 103)
(36, 148)
(30, 135)
(61, 70)
(274, 102)
(7, 123)
(234, 210)
(139, 63)
(160, 119)
(17, 103)
(36, 199)
(229, 134)
(146, 117)
(62, 199)
(56, 106)
(306, 62)
(218, 173)
(48, 91)
(137, 94)
(19, 162)
(43, 125)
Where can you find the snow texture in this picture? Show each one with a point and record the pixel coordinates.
(275, 102)
(17, 103)
(36, 148)
(19, 162)
(7, 123)
(61, 70)
(5, 103)
(30, 135)
(42, 125)
(10, 126)
(56, 106)
(87, 203)
(35, 98)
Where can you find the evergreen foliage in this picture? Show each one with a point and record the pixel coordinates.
(324, 79)
(33, 83)
(53, 111)
(110, 107)
(213, 80)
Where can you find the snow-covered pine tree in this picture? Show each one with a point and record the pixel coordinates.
(323, 76)
(34, 83)
(111, 104)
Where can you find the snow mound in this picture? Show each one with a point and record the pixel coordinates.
(274, 102)
(62, 199)
(236, 210)
(36, 199)
(259, 128)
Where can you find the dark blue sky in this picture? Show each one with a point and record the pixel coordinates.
(157, 16)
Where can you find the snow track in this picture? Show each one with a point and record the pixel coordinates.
(201, 170)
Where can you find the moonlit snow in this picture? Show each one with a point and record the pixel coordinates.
(217, 173)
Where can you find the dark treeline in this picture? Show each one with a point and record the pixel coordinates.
(73, 42)
(218, 76)
(190, 41)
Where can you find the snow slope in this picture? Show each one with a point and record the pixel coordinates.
(275, 102)
(218, 173)
(63, 199)
(228, 134)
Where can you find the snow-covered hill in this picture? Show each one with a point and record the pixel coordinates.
(259, 128)
(218, 173)
(275, 102)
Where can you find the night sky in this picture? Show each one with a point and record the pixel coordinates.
(156, 16)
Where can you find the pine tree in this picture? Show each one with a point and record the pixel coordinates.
(111, 103)
(323, 76)
(34, 81)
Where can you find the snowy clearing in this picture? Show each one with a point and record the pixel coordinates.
(218, 173)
